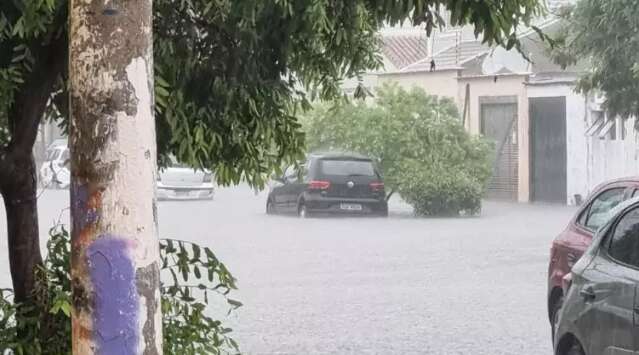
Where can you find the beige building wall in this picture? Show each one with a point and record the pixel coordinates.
(440, 83)
(504, 85)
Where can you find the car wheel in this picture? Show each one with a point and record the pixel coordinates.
(554, 315)
(302, 211)
(270, 207)
(575, 350)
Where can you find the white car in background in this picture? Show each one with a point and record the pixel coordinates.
(181, 182)
(55, 170)
(175, 182)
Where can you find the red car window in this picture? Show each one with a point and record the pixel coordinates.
(596, 213)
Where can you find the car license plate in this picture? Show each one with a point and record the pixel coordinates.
(182, 193)
(350, 207)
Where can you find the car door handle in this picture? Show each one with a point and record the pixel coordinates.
(588, 294)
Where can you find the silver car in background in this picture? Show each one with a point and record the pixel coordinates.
(181, 182)
(55, 170)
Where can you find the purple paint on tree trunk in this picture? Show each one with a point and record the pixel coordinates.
(115, 315)
(83, 215)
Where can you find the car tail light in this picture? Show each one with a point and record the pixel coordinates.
(208, 177)
(377, 186)
(319, 185)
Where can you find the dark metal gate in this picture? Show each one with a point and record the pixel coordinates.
(548, 149)
(499, 123)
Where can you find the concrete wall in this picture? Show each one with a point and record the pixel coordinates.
(368, 79)
(610, 159)
(505, 85)
(440, 83)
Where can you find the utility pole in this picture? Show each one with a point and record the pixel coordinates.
(115, 252)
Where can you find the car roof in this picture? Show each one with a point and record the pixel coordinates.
(631, 179)
(58, 143)
(623, 180)
(338, 155)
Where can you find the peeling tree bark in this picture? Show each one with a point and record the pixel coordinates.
(114, 267)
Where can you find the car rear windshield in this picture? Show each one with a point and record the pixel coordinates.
(347, 167)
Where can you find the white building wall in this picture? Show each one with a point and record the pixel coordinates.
(611, 159)
(442, 83)
(591, 160)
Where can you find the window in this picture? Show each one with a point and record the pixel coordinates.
(597, 123)
(624, 245)
(65, 155)
(53, 155)
(293, 173)
(290, 174)
(612, 134)
(348, 168)
(174, 163)
(596, 214)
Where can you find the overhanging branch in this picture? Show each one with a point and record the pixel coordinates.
(30, 103)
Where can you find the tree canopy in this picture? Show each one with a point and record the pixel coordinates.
(604, 34)
(231, 76)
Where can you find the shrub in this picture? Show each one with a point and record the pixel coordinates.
(434, 194)
(45, 326)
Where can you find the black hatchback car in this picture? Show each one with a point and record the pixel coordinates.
(330, 184)
(600, 314)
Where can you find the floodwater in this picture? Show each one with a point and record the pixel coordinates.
(377, 286)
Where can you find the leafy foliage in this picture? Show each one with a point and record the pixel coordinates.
(233, 75)
(422, 148)
(187, 328)
(604, 33)
(45, 326)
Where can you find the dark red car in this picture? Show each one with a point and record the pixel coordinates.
(573, 241)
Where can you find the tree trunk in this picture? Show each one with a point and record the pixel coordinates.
(19, 192)
(18, 182)
(115, 254)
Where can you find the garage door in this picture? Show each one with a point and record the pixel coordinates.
(499, 123)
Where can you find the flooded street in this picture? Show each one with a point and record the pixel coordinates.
(345, 286)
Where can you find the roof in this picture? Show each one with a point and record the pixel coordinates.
(338, 155)
(452, 57)
(557, 4)
(403, 49)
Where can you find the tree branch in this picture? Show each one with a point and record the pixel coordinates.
(31, 102)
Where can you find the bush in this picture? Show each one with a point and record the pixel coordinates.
(45, 326)
(434, 194)
(421, 146)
